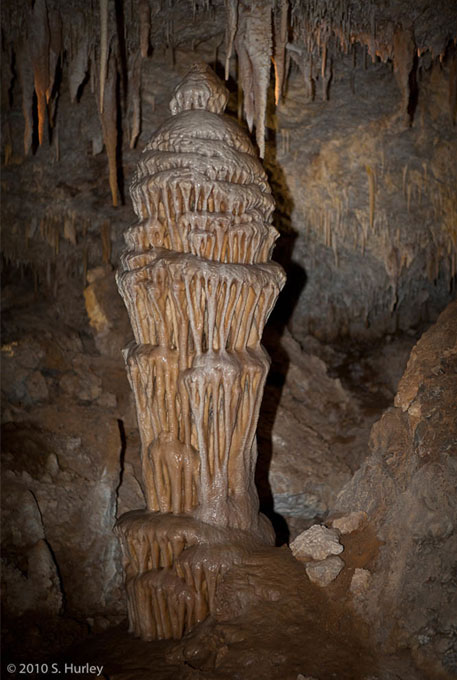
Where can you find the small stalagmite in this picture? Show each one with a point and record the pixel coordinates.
(198, 282)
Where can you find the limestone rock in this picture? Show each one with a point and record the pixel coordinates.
(407, 488)
(325, 571)
(310, 461)
(81, 383)
(316, 543)
(63, 509)
(61, 459)
(350, 523)
(389, 286)
(107, 314)
(438, 344)
(21, 381)
(36, 387)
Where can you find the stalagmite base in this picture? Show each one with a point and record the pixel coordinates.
(199, 284)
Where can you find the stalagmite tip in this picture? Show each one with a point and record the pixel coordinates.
(200, 89)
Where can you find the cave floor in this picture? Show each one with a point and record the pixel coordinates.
(272, 623)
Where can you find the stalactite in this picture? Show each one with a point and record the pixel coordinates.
(39, 40)
(315, 29)
(55, 52)
(326, 78)
(104, 53)
(371, 192)
(404, 178)
(404, 51)
(109, 125)
(253, 43)
(50, 231)
(304, 63)
(284, 136)
(280, 26)
(106, 241)
(372, 38)
(452, 97)
(79, 61)
(135, 97)
(324, 58)
(25, 69)
(231, 12)
(144, 15)
(69, 229)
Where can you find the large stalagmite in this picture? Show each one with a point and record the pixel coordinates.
(199, 284)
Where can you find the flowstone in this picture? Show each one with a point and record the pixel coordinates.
(198, 283)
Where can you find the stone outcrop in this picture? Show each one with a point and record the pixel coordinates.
(61, 470)
(407, 488)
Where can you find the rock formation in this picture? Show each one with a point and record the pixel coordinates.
(199, 285)
(406, 487)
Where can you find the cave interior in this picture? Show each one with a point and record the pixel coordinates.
(352, 108)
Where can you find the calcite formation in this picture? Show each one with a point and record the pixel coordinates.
(198, 284)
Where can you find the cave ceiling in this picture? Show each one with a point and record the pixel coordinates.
(81, 81)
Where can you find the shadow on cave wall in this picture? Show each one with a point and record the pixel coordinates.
(280, 316)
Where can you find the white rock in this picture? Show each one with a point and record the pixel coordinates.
(316, 543)
(360, 581)
(324, 572)
(350, 523)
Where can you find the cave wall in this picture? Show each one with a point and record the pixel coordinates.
(372, 201)
(407, 488)
(359, 149)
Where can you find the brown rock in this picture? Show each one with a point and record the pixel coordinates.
(309, 462)
(325, 571)
(316, 543)
(437, 345)
(106, 312)
(407, 488)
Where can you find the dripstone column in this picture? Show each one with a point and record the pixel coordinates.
(198, 283)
